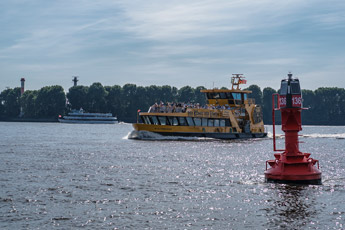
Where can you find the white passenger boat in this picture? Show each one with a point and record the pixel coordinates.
(81, 117)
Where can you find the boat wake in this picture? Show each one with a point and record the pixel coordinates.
(278, 136)
(146, 135)
(318, 135)
(312, 135)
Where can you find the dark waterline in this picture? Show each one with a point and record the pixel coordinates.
(63, 176)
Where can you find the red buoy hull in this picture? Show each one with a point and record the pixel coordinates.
(301, 173)
(291, 165)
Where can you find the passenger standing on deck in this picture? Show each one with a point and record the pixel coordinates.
(170, 108)
(162, 107)
(151, 109)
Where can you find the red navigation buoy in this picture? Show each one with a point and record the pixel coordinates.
(291, 165)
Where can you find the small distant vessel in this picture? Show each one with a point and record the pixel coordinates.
(229, 114)
(81, 117)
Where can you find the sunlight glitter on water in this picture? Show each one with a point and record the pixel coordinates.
(92, 177)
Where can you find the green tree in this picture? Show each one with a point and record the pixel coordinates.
(77, 96)
(309, 101)
(28, 103)
(50, 101)
(153, 93)
(129, 95)
(166, 93)
(141, 100)
(96, 98)
(267, 104)
(256, 94)
(10, 100)
(186, 94)
(2, 113)
(174, 94)
(199, 96)
(328, 105)
(114, 100)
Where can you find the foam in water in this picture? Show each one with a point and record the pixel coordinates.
(270, 135)
(146, 135)
(312, 135)
(326, 135)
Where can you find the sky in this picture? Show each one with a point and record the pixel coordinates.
(177, 43)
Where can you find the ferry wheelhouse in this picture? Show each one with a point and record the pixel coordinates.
(229, 114)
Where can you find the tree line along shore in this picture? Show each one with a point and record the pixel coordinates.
(326, 104)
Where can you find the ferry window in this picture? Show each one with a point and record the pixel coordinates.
(222, 95)
(162, 120)
(295, 89)
(197, 121)
(229, 95)
(283, 88)
(231, 101)
(210, 122)
(227, 122)
(173, 120)
(216, 96)
(222, 123)
(204, 121)
(154, 120)
(182, 121)
(149, 118)
(190, 121)
(170, 120)
(210, 95)
(245, 96)
(146, 120)
(236, 96)
(216, 122)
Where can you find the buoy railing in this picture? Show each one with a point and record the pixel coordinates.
(274, 108)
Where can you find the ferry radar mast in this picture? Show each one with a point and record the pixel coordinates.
(236, 80)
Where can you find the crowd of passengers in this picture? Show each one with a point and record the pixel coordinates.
(173, 107)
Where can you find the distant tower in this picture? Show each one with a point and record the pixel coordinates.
(22, 80)
(75, 80)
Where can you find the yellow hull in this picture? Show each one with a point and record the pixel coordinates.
(196, 131)
(180, 129)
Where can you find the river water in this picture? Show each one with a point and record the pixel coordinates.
(70, 176)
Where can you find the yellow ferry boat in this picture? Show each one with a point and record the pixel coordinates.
(229, 114)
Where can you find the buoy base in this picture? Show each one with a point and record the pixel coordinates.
(299, 182)
(295, 169)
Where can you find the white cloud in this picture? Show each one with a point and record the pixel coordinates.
(276, 61)
(195, 40)
(178, 20)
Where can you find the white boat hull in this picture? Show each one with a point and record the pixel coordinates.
(87, 121)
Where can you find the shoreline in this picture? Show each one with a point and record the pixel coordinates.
(45, 120)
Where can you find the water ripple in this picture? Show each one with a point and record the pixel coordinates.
(91, 177)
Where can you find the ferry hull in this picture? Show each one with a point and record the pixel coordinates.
(187, 131)
(226, 136)
(86, 121)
